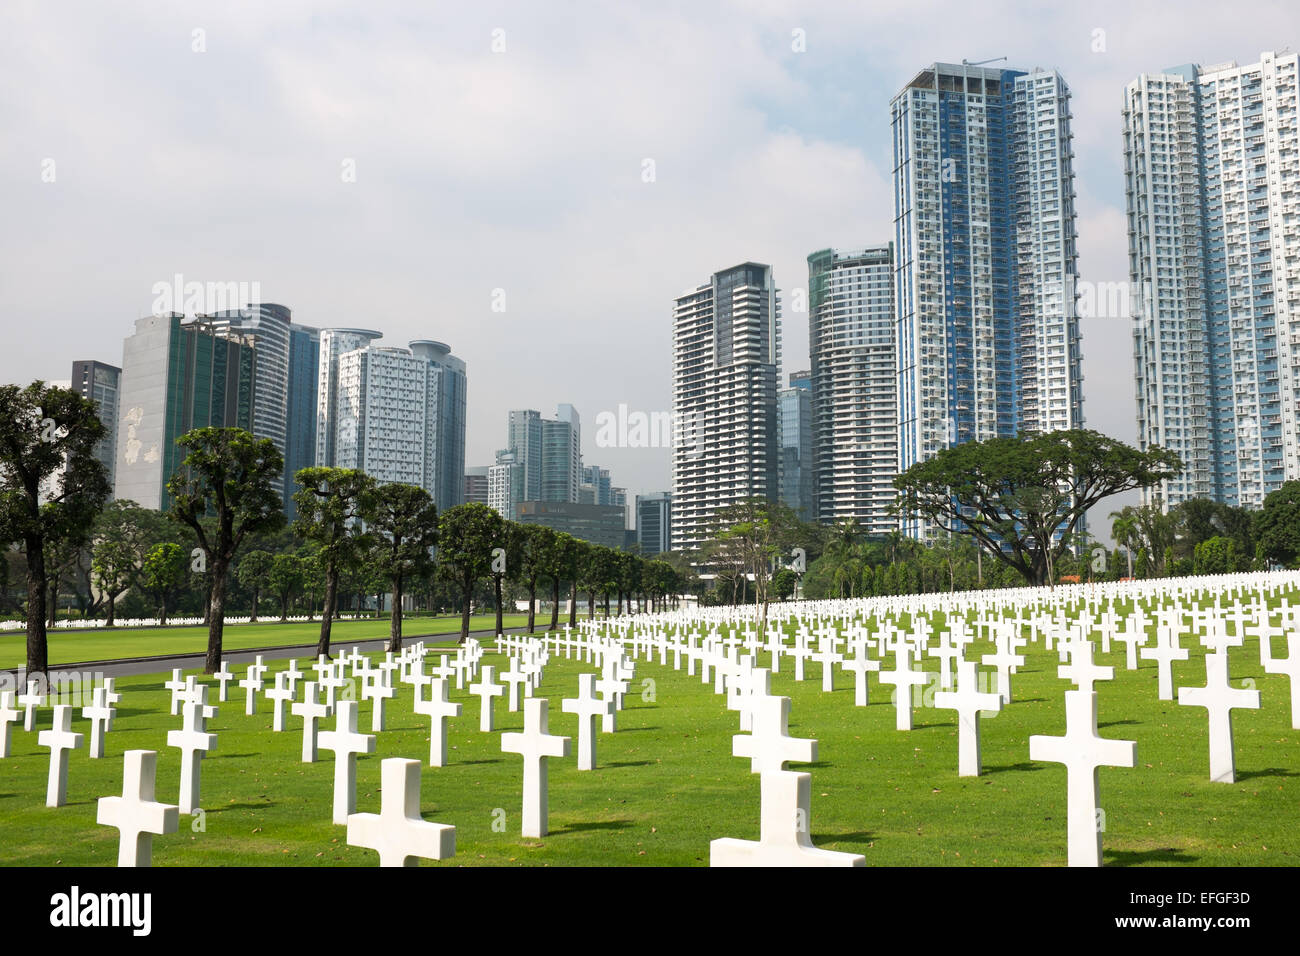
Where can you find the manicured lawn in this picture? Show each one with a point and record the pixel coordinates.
(68, 647)
(666, 782)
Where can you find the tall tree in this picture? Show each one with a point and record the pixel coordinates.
(283, 578)
(119, 541)
(467, 534)
(405, 522)
(537, 546)
(1022, 498)
(332, 503)
(51, 486)
(166, 568)
(757, 532)
(234, 479)
(1277, 524)
(252, 574)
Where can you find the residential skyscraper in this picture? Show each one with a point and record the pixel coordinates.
(476, 485)
(503, 483)
(794, 424)
(333, 344)
(101, 384)
(726, 349)
(653, 522)
(525, 440)
(985, 263)
(177, 375)
(562, 455)
(851, 332)
(1211, 163)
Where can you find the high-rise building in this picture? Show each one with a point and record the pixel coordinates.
(653, 522)
(854, 385)
(399, 415)
(503, 483)
(300, 418)
(333, 344)
(177, 375)
(1211, 163)
(599, 524)
(525, 441)
(794, 424)
(595, 488)
(267, 326)
(548, 453)
(100, 384)
(726, 349)
(985, 270)
(476, 485)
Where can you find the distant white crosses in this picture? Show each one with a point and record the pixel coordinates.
(280, 695)
(1288, 666)
(175, 685)
(1133, 638)
(1166, 651)
(398, 833)
(487, 691)
(514, 678)
(947, 652)
(1005, 661)
(252, 684)
(860, 665)
(1081, 670)
(223, 677)
(60, 739)
(346, 744)
(437, 708)
(193, 742)
(611, 687)
(310, 710)
(112, 698)
(9, 714)
(968, 701)
(1220, 699)
(377, 687)
(588, 707)
(786, 797)
(904, 679)
(29, 702)
(135, 813)
(99, 714)
(1082, 751)
(535, 744)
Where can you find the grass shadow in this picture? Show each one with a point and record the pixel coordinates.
(243, 806)
(632, 730)
(1024, 766)
(594, 825)
(628, 763)
(1269, 772)
(858, 836)
(1115, 723)
(470, 763)
(1167, 854)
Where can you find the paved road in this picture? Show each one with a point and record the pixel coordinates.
(130, 667)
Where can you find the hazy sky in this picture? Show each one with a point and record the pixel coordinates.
(215, 140)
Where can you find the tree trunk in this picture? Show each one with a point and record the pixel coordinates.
(496, 580)
(607, 605)
(555, 603)
(53, 606)
(591, 605)
(395, 618)
(284, 606)
(327, 612)
(1129, 552)
(216, 616)
(256, 594)
(162, 614)
(573, 603)
(112, 609)
(532, 604)
(464, 612)
(37, 650)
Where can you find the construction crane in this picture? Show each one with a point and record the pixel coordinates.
(982, 62)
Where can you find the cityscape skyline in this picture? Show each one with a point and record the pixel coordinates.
(822, 131)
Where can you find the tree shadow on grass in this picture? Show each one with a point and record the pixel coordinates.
(243, 806)
(1023, 766)
(594, 825)
(859, 836)
(239, 756)
(1269, 772)
(470, 763)
(1114, 723)
(628, 763)
(1167, 854)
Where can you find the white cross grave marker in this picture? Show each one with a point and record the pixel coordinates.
(281, 694)
(487, 692)
(398, 833)
(30, 701)
(1164, 654)
(310, 710)
(437, 708)
(193, 742)
(587, 706)
(8, 715)
(1220, 699)
(968, 701)
(60, 739)
(346, 744)
(535, 744)
(135, 813)
(99, 714)
(904, 679)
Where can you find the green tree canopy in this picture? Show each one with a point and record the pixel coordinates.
(404, 520)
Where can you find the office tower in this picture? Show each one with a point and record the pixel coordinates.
(525, 440)
(399, 416)
(987, 336)
(476, 485)
(595, 486)
(561, 455)
(1211, 164)
(333, 344)
(854, 385)
(794, 424)
(504, 483)
(267, 326)
(598, 524)
(177, 375)
(653, 522)
(100, 383)
(726, 348)
(300, 416)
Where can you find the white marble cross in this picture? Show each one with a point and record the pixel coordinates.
(193, 742)
(224, 676)
(135, 813)
(587, 706)
(947, 652)
(513, 677)
(30, 701)
(376, 686)
(437, 708)
(8, 715)
(1133, 639)
(293, 675)
(310, 710)
(1082, 751)
(99, 714)
(535, 744)
(487, 692)
(175, 685)
(611, 688)
(903, 678)
(280, 695)
(112, 698)
(398, 833)
(60, 739)
(1006, 661)
(785, 797)
(252, 684)
(1220, 699)
(828, 657)
(346, 744)
(860, 666)
(1288, 666)
(1164, 654)
(968, 701)
(1081, 670)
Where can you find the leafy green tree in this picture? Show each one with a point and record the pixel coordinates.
(404, 519)
(313, 576)
(234, 479)
(1022, 498)
(164, 574)
(467, 534)
(331, 505)
(506, 563)
(1217, 555)
(284, 577)
(51, 487)
(252, 573)
(1277, 524)
(119, 541)
(783, 583)
(759, 533)
(537, 545)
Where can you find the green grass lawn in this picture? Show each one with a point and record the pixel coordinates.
(666, 783)
(69, 647)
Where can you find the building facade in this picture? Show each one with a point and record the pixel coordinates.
(476, 485)
(1211, 161)
(726, 350)
(598, 524)
(851, 342)
(300, 423)
(654, 522)
(794, 425)
(101, 384)
(333, 344)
